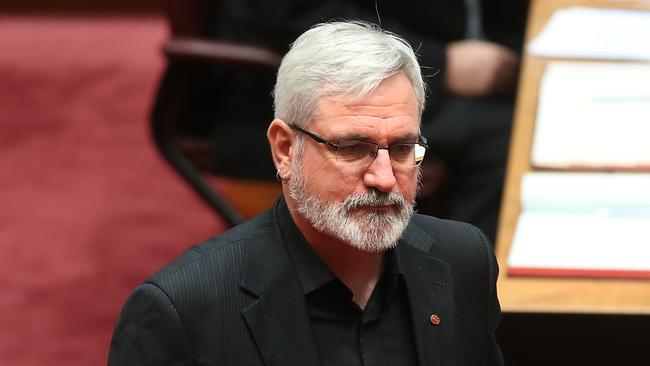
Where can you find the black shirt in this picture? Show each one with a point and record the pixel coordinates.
(345, 334)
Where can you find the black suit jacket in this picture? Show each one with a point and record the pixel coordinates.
(236, 300)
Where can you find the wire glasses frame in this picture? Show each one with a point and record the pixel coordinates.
(406, 154)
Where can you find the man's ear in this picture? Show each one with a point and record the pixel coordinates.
(281, 138)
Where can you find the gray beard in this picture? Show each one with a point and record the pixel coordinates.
(352, 221)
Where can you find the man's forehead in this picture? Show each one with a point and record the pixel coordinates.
(368, 129)
(364, 119)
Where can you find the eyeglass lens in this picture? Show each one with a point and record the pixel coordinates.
(407, 154)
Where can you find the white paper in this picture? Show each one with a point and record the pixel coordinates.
(580, 32)
(594, 114)
(583, 221)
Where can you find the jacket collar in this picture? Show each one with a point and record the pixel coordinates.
(430, 293)
(278, 319)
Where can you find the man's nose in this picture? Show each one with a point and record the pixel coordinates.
(379, 174)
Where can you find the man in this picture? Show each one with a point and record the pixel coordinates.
(340, 271)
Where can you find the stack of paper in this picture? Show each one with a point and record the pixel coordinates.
(593, 114)
(583, 225)
(579, 32)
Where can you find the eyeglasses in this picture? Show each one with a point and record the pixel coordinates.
(403, 154)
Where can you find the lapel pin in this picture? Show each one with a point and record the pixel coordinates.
(435, 319)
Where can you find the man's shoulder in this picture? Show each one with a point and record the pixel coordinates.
(463, 248)
(442, 229)
(452, 240)
(220, 256)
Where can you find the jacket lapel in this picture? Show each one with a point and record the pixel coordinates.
(278, 319)
(429, 294)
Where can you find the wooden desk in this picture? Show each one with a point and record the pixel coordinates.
(553, 295)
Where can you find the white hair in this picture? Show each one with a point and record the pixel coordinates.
(340, 58)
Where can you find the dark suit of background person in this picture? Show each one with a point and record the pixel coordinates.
(469, 129)
(236, 300)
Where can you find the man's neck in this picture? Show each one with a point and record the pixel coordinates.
(357, 269)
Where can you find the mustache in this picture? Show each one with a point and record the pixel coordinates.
(373, 198)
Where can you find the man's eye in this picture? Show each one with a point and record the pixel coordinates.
(353, 150)
(401, 151)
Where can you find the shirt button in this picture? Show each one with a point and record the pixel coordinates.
(435, 319)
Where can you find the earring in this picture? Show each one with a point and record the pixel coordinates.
(279, 177)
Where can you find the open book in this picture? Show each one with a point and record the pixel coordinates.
(583, 225)
(593, 115)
